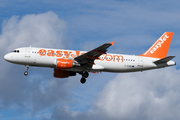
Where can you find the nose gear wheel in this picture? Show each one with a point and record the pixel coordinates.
(26, 72)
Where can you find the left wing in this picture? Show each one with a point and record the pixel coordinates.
(87, 59)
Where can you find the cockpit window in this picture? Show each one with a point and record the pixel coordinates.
(16, 51)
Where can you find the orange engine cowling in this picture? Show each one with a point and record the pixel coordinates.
(64, 63)
(63, 73)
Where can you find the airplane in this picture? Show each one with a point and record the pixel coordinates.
(70, 62)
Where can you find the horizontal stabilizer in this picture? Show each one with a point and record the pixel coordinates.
(164, 60)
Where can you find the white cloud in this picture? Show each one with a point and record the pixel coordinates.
(150, 95)
(45, 30)
(39, 90)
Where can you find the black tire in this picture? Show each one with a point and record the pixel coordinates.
(83, 80)
(85, 74)
(25, 73)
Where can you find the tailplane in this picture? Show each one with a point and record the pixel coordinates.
(161, 47)
(164, 60)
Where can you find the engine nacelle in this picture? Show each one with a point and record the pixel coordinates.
(65, 63)
(63, 73)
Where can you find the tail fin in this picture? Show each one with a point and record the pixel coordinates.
(161, 47)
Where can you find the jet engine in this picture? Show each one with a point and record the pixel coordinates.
(59, 73)
(65, 63)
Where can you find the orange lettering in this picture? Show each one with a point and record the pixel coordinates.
(72, 55)
(102, 56)
(107, 58)
(42, 52)
(118, 56)
(58, 53)
(77, 53)
(67, 54)
(51, 53)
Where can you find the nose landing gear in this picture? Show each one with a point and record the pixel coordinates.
(84, 76)
(26, 72)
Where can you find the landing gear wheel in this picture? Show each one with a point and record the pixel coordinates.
(25, 73)
(83, 80)
(85, 74)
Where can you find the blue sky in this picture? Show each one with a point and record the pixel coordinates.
(83, 25)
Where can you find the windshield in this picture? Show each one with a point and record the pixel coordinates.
(16, 51)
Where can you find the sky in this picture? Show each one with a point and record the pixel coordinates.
(83, 25)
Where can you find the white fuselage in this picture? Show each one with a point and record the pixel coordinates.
(44, 57)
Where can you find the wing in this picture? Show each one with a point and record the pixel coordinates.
(87, 59)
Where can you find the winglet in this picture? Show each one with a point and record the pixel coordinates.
(112, 43)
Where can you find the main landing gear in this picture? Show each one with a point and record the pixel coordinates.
(84, 76)
(26, 72)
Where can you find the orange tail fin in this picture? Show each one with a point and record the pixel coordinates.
(161, 47)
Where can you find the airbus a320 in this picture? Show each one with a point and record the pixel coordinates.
(70, 62)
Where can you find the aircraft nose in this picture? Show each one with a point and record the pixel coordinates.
(7, 57)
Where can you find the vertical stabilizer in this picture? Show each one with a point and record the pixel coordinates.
(161, 47)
